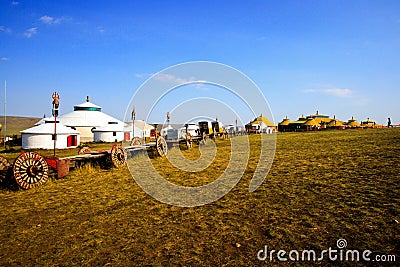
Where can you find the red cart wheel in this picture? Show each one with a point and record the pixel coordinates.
(30, 170)
(118, 156)
(161, 146)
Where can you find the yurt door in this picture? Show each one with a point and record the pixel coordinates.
(127, 136)
(71, 140)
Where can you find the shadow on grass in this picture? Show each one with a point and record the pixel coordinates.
(7, 181)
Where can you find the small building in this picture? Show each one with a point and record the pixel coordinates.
(370, 124)
(112, 132)
(297, 126)
(311, 125)
(323, 120)
(261, 125)
(41, 136)
(142, 129)
(283, 126)
(312, 122)
(352, 123)
(335, 124)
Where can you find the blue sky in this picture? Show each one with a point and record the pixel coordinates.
(339, 57)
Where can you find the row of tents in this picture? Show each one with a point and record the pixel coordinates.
(319, 121)
(87, 123)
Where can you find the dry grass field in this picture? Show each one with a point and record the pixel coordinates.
(17, 124)
(322, 186)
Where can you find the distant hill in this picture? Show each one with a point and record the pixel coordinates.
(16, 124)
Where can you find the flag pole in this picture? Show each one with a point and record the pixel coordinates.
(5, 112)
(56, 103)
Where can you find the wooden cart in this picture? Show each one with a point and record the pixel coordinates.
(30, 169)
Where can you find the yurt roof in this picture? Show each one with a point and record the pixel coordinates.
(46, 120)
(263, 119)
(88, 106)
(367, 121)
(311, 122)
(141, 124)
(48, 128)
(285, 121)
(301, 120)
(325, 120)
(317, 115)
(353, 122)
(335, 122)
(87, 119)
(113, 127)
(87, 114)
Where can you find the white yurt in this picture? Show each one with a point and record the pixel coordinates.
(142, 129)
(85, 118)
(41, 136)
(112, 132)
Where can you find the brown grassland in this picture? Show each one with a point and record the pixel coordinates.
(17, 124)
(322, 186)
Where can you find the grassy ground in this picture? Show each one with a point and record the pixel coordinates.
(322, 186)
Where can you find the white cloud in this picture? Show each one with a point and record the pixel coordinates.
(169, 78)
(47, 19)
(339, 92)
(101, 30)
(30, 32)
(4, 58)
(15, 3)
(4, 29)
(51, 20)
(143, 75)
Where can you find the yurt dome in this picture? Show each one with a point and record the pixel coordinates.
(300, 120)
(335, 122)
(85, 117)
(285, 121)
(353, 123)
(368, 123)
(311, 122)
(41, 136)
(261, 119)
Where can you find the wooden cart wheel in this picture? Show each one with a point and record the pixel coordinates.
(118, 156)
(30, 170)
(161, 146)
(136, 141)
(84, 150)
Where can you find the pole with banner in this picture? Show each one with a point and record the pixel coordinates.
(133, 122)
(54, 111)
